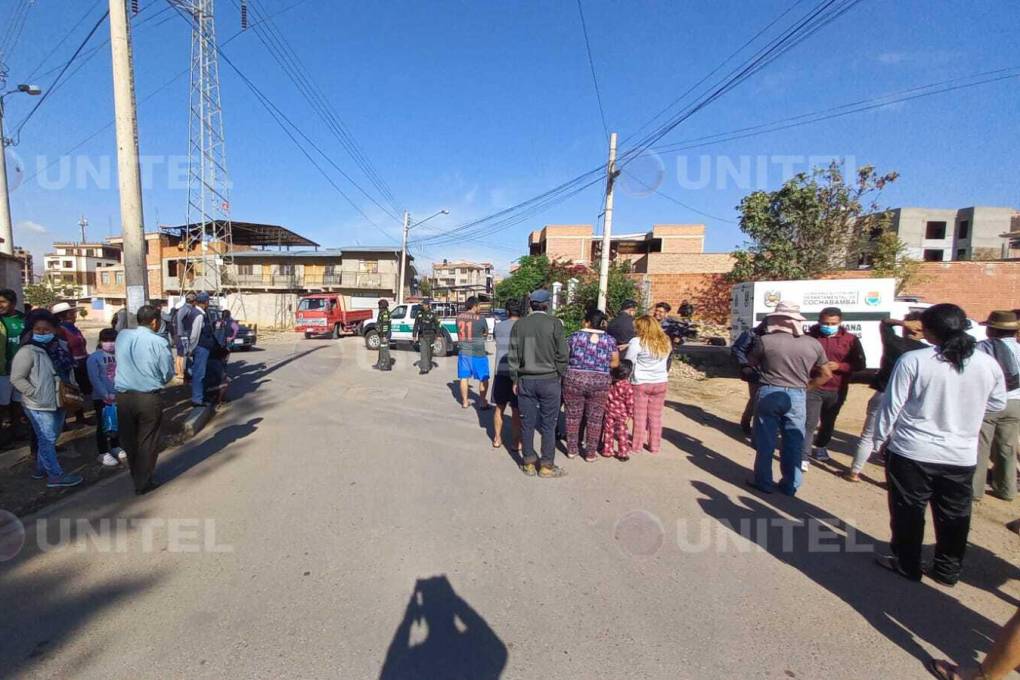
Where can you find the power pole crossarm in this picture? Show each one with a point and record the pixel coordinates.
(132, 222)
(607, 230)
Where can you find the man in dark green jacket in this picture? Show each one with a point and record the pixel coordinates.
(538, 359)
(426, 328)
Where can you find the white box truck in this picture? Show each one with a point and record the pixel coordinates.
(865, 302)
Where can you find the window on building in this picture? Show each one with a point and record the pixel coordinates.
(105, 278)
(245, 269)
(67, 264)
(935, 231)
(285, 269)
(961, 254)
(171, 268)
(933, 255)
(368, 266)
(119, 278)
(963, 231)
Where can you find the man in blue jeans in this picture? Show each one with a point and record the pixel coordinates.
(789, 363)
(538, 358)
(201, 341)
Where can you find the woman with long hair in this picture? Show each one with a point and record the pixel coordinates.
(586, 383)
(648, 352)
(930, 420)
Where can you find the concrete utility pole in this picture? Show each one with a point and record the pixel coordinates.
(136, 277)
(403, 257)
(607, 229)
(83, 223)
(6, 226)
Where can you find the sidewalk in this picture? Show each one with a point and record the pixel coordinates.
(22, 495)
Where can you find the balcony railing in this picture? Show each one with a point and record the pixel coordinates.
(354, 280)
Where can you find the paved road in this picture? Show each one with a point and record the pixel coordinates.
(356, 525)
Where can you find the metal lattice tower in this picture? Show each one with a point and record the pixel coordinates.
(207, 242)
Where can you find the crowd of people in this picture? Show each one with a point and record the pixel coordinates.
(49, 375)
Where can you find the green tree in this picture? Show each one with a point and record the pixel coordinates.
(815, 224)
(531, 274)
(41, 295)
(425, 287)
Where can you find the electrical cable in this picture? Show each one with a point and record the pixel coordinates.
(591, 64)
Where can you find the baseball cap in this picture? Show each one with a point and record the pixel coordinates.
(202, 297)
(541, 296)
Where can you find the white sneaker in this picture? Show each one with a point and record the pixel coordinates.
(120, 453)
(804, 465)
(821, 454)
(108, 460)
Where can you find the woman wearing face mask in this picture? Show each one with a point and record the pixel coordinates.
(42, 361)
(102, 368)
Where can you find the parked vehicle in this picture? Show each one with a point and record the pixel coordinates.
(402, 325)
(325, 314)
(245, 338)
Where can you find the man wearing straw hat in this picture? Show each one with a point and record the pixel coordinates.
(789, 363)
(1000, 430)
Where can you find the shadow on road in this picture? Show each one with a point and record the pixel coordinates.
(247, 377)
(441, 636)
(904, 612)
(190, 456)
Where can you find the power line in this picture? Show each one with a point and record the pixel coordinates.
(285, 56)
(61, 42)
(12, 34)
(283, 121)
(802, 28)
(843, 109)
(591, 64)
(54, 84)
(680, 203)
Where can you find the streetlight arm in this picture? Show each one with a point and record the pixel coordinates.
(444, 211)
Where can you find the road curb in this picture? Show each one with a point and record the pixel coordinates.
(197, 419)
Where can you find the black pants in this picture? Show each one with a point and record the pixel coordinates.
(912, 486)
(104, 441)
(425, 351)
(139, 415)
(539, 404)
(823, 408)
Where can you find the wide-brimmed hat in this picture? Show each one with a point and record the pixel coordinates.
(62, 307)
(1002, 319)
(788, 310)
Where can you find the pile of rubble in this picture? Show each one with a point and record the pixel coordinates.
(684, 371)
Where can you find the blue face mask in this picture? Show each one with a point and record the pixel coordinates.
(44, 338)
(829, 330)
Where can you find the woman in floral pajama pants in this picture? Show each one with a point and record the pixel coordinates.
(586, 383)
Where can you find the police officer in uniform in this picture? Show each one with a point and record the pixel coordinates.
(383, 327)
(426, 328)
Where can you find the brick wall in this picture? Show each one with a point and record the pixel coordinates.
(978, 287)
(689, 263)
(709, 293)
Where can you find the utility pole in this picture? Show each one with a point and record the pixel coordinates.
(403, 257)
(6, 226)
(129, 176)
(607, 229)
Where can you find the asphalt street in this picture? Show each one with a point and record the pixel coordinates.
(335, 522)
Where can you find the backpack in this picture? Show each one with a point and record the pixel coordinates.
(1008, 364)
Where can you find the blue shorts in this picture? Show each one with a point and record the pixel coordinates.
(472, 367)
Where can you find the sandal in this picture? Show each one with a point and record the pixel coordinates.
(943, 670)
(590, 458)
(570, 455)
(852, 477)
(623, 457)
(496, 444)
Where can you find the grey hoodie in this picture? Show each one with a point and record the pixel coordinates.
(33, 375)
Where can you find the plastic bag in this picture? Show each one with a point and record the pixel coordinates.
(109, 418)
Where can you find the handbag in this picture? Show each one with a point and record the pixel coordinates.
(69, 397)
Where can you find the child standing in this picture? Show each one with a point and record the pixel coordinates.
(619, 410)
(102, 369)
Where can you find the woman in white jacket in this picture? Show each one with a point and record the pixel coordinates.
(39, 366)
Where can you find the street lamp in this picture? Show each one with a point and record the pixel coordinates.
(6, 226)
(403, 246)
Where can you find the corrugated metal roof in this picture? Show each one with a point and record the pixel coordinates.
(325, 252)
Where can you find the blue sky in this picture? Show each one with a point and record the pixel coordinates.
(473, 106)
